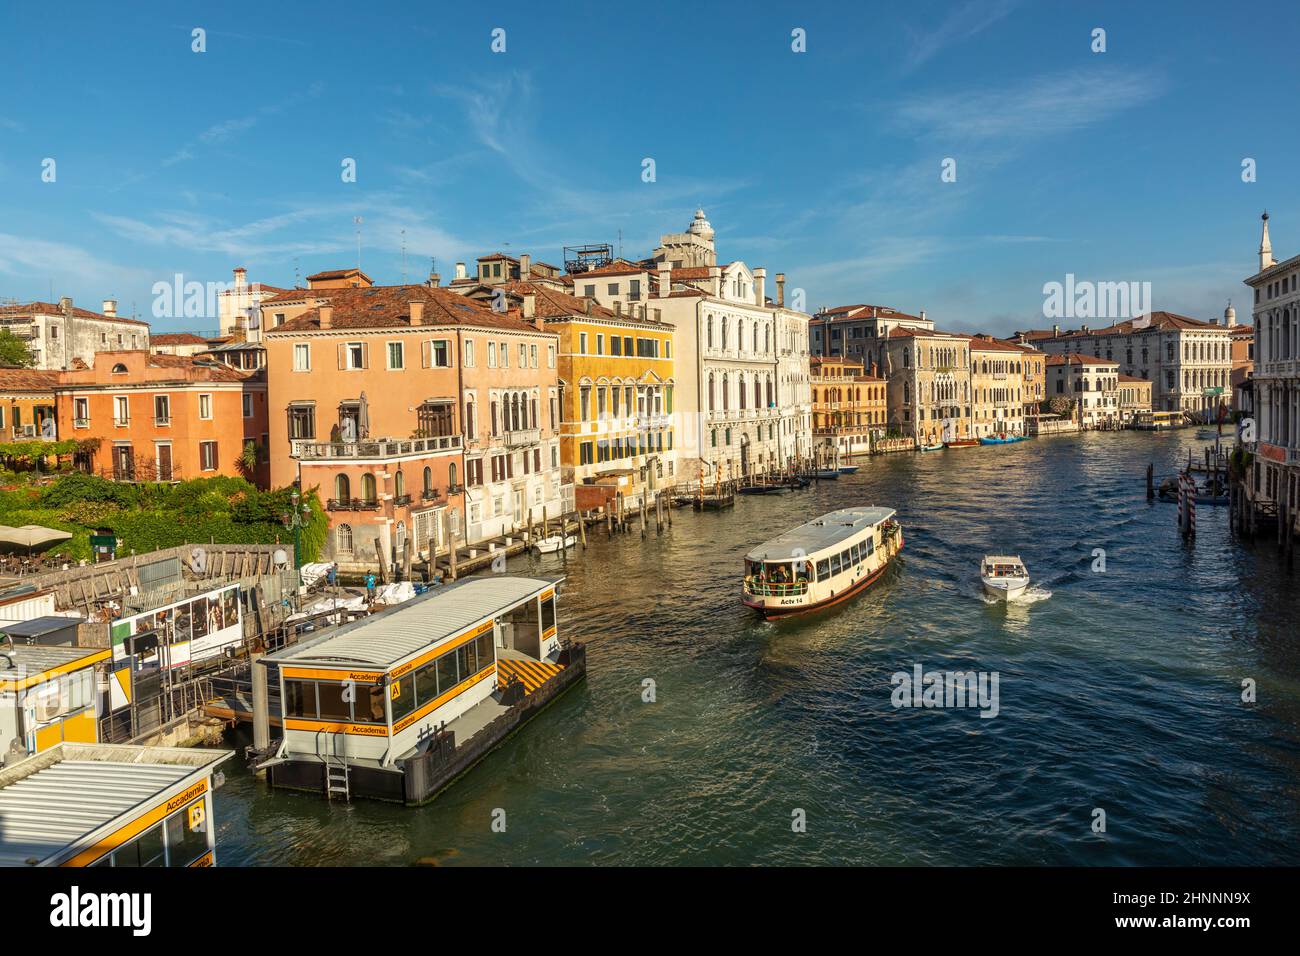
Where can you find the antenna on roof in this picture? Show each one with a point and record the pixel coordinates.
(403, 258)
(297, 273)
(357, 221)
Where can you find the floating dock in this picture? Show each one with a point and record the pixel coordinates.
(397, 706)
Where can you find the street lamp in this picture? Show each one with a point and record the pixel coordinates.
(296, 518)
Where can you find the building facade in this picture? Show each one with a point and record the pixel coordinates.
(163, 417)
(27, 405)
(849, 408)
(59, 336)
(928, 377)
(1134, 398)
(1090, 384)
(857, 331)
(997, 372)
(1188, 362)
(1276, 382)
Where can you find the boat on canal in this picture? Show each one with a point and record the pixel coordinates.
(848, 469)
(937, 446)
(1001, 439)
(555, 542)
(961, 443)
(823, 562)
(1004, 576)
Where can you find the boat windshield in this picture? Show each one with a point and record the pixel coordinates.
(1003, 570)
(779, 572)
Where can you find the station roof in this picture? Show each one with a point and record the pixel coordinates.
(60, 799)
(820, 533)
(444, 612)
(33, 663)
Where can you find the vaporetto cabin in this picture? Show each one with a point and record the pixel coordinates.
(396, 705)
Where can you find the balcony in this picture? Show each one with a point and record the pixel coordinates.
(430, 494)
(351, 504)
(81, 423)
(121, 422)
(522, 436)
(376, 449)
(400, 500)
(160, 422)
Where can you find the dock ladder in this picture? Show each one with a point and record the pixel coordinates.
(337, 782)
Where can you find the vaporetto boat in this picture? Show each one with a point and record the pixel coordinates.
(822, 562)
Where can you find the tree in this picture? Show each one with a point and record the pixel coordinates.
(14, 351)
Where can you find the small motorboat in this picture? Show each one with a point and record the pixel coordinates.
(1000, 439)
(848, 469)
(555, 542)
(962, 443)
(1004, 576)
(828, 473)
(937, 446)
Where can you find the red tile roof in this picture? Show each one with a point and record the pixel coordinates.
(27, 379)
(177, 338)
(389, 306)
(1078, 360)
(50, 308)
(339, 274)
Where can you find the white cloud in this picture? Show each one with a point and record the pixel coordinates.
(966, 21)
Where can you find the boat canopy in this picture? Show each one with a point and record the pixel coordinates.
(828, 532)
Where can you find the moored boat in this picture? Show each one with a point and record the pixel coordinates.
(961, 443)
(848, 469)
(820, 563)
(937, 446)
(827, 473)
(1004, 576)
(1000, 439)
(555, 542)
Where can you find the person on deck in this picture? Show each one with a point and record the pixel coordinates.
(370, 586)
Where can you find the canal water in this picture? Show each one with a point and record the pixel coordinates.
(1119, 690)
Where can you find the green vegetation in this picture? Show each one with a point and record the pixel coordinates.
(14, 351)
(146, 517)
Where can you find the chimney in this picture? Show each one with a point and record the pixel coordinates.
(417, 313)
(326, 313)
(715, 281)
(923, 315)
(618, 307)
(65, 305)
(1056, 331)
(760, 287)
(530, 298)
(665, 280)
(525, 267)
(874, 367)
(435, 280)
(780, 289)
(241, 277)
(109, 308)
(460, 271)
(586, 306)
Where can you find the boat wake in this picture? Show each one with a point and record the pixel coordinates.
(1032, 595)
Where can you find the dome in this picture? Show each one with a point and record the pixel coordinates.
(700, 226)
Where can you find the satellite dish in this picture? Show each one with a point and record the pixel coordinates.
(280, 557)
(199, 560)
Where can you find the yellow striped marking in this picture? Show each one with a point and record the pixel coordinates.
(533, 673)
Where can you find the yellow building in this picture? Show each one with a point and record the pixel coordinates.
(47, 695)
(616, 394)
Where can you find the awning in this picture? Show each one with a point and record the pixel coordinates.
(30, 537)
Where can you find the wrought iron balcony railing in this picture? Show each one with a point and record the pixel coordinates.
(373, 448)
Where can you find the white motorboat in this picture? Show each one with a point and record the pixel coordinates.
(1004, 576)
(555, 542)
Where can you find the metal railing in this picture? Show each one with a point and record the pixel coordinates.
(377, 448)
(352, 504)
(772, 589)
(522, 436)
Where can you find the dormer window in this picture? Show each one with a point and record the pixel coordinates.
(119, 369)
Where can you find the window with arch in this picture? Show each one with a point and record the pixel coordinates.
(368, 493)
(451, 475)
(711, 393)
(343, 539)
(709, 328)
(428, 482)
(399, 483)
(342, 487)
(740, 387)
(399, 537)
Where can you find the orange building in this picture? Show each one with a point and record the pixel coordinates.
(379, 387)
(163, 417)
(850, 407)
(26, 403)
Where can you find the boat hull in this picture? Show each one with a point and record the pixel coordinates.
(831, 473)
(1005, 589)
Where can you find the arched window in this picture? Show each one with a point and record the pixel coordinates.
(119, 369)
(343, 539)
(758, 393)
(428, 482)
(451, 475)
(399, 483)
(740, 383)
(710, 391)
(710, 332)
(725, 396)
(724, 331)
(368, 488)
(342, 487)
(399, 538)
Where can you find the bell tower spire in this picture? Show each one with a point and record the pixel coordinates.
(1265, 247)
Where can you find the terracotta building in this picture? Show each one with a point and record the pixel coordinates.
(849, 407)
(163, 417)
(26, 404)
(419, 413)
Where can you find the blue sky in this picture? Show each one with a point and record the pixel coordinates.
(1123, 165)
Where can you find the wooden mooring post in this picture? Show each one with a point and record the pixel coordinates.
(1151, 482)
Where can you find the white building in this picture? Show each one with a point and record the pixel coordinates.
(58, 335)
(1092, 384)
(731, 417)
(1276, 470)
(239, 308)
(1187, 361)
